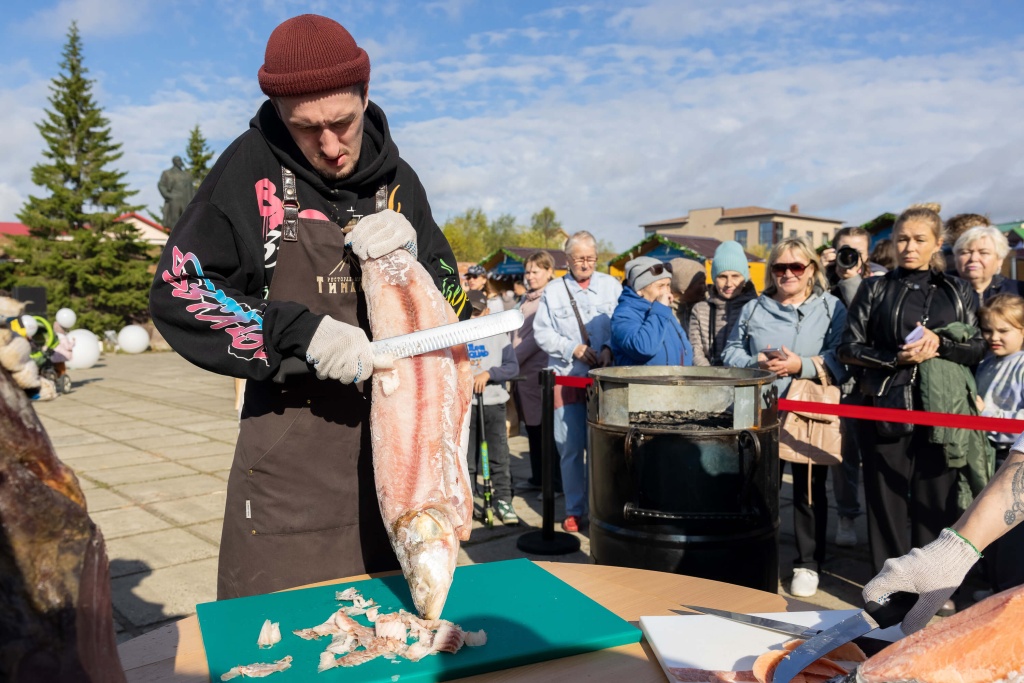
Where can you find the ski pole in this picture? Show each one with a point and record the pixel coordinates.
(485, 465)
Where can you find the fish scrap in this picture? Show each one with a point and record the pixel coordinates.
(259, 670)
(394, 635)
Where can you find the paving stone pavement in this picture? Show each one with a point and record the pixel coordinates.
(151, 438)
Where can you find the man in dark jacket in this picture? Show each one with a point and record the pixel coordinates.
(258, 275)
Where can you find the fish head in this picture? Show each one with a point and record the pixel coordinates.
(428, 548)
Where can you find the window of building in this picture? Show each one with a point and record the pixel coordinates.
(824, 238)
(810, 238)
(741, 237)
(769, 232)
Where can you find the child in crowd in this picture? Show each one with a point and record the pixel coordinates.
(1000, 379)
(494, 362)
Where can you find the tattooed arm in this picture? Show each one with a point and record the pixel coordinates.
(1000, 505)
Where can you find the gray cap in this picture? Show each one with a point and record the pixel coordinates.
(644, 270)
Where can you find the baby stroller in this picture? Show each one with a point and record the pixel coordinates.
(45, 353)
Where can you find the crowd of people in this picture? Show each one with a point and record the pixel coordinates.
(923, 321)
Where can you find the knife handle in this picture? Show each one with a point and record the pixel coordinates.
(893, 610)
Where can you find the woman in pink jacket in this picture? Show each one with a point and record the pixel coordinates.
(539, 269)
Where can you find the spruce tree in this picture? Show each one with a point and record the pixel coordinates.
(86, 260)
(197, 156)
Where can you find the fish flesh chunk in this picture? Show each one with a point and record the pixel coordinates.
(259, 670)
(419, 426)
(982, 644)
(56, 621)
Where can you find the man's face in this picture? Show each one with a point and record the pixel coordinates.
(582, 260)
(328, 128)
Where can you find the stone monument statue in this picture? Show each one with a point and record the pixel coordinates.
(177, 190)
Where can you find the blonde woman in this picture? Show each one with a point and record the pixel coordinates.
(782, 330)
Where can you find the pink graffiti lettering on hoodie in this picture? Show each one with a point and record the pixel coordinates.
(211, 304)
(272, 211)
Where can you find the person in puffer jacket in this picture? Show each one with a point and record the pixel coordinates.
(711, 321)
(644, 329)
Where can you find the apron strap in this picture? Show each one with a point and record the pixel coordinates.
(290, 231)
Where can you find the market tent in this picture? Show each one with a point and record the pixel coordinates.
(507, 263)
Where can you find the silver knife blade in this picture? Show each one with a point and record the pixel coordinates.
(820, 645)
(760, 622)
(446, 336)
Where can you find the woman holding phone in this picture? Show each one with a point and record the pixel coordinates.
(908, 479)
(794, 320)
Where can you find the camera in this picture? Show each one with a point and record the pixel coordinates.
(847, 257)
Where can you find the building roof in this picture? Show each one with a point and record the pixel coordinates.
(743, 212)
(509, 260)
(141, 219)
(705, 246)
(13, 229)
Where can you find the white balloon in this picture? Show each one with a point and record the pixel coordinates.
(30, 324)
(133, 339)
(86, 350)
(66, 318)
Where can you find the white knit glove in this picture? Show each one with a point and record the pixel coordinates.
(933, 572)
(341, 351)
(381, 233)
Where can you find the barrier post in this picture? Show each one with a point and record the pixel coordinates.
(547, 541)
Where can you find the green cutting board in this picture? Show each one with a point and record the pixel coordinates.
(529, 616)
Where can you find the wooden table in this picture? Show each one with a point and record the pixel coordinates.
(175, 652)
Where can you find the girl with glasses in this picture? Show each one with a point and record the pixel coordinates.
(793, 321)
(914, 334)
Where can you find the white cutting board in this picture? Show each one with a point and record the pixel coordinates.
(706, 642)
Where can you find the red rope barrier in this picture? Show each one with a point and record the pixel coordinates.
(570, 381)
(915, 417)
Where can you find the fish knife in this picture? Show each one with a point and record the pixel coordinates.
(882, 614)
(760, 622)
(446, 336)
(423, 341)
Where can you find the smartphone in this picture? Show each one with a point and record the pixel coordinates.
(774, 354)
(915, 334)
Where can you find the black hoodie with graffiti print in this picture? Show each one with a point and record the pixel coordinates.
(208, 296)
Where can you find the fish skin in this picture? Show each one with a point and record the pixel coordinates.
(419, 425)
(56, 620)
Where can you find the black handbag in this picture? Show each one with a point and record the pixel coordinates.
(897, 398)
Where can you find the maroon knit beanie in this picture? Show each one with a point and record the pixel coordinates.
(310, 54)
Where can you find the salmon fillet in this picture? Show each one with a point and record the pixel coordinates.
(419, 426)
(982, 644)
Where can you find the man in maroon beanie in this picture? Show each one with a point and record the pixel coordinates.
(258, 281)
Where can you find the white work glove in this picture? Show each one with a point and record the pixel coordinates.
(381, 233)
(934, 572)
(341, 351)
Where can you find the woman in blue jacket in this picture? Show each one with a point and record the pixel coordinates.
(644, 329)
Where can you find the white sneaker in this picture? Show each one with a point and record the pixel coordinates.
(805, 583)
(846, 534)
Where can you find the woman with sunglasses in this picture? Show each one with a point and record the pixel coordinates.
(908, 480)
(794, 320)
(645, 331)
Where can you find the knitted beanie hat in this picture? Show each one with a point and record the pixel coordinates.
(684, 270)
(310, 54)
(639, 275)
(729, 256)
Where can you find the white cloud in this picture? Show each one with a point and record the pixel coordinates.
(104, 18)
(847, 140)
(680, 18)
(453, 9)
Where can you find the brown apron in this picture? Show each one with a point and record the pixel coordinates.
(301, 503)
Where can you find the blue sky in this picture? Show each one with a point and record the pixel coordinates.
(613, 113)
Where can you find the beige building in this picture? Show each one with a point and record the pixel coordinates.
(749, 225)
